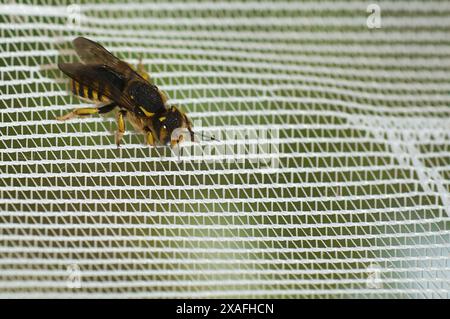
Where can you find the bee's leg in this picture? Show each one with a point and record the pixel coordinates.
(78, 112)
(120, 126)
(107, 108)
(149, 139)
(88, 111)
(142, 71)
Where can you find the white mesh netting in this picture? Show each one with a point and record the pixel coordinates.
(353, 202)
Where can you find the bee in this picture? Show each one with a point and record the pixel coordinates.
(113, 84)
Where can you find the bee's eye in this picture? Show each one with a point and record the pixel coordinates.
(164, 126)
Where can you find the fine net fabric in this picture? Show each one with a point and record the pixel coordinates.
(341, 188)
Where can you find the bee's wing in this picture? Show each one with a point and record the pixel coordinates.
(100, 78)
(91, 52)
(126, 86)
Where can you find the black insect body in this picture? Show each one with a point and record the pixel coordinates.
(112, 83)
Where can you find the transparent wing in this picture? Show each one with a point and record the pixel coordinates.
(91, 52)
(100, 78)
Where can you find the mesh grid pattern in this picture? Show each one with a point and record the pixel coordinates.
(357, 205)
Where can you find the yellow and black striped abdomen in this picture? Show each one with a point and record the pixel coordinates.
(87, 92)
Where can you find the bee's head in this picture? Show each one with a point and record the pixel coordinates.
(172, 126)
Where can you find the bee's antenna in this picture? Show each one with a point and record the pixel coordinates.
(192, 134)
(211, 138)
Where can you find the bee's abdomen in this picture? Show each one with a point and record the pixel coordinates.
(87, 92)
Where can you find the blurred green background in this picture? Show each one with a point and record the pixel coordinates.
(358, 120)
